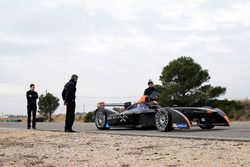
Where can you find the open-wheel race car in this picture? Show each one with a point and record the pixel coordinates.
(148, 114)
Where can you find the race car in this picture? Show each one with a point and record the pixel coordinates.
(148, 114)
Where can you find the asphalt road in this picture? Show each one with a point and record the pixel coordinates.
(236, 132)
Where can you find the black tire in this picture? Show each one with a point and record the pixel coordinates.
(163, 120)
(101, 120)
(206, 126)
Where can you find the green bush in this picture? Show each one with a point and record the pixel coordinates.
(47, 105)
(246, 104)
(89, 117)
(234, 109)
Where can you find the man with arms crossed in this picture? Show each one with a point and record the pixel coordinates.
(31, 96)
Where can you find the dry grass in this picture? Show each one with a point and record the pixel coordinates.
(246, 104)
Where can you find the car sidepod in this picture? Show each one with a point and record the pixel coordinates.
(179, 120)
(219, 118)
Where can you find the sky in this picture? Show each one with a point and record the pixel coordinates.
(116, 46)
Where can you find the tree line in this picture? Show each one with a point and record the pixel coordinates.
(185, 83)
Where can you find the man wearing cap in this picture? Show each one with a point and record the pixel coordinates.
(31, 96)
(150, 90)
(69, 97)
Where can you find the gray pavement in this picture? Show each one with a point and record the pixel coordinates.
(237, 132)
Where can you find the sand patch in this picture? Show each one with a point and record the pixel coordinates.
(41, 148)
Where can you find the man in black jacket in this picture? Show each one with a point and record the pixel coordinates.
(69, 97)
(31, 96)
(150, 90)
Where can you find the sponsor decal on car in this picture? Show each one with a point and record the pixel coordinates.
(181, 126)
(122, 117)
(107, 125)
(174, 125)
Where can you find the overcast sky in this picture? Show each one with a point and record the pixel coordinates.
(116, 46)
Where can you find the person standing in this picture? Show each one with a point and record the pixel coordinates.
(69, 97)
(31, 96)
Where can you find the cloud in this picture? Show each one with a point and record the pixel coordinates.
(116, 46)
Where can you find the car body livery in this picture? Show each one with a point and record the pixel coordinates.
(146, 114)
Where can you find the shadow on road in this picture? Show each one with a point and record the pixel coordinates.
(173, 131)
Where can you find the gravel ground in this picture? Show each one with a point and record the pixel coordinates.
(42, 148)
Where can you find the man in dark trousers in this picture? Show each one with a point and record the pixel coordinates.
(69, 97)
(150, 90)
(31, 96)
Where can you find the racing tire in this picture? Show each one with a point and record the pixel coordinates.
(206, 126)
(163, 120)
(101, 120)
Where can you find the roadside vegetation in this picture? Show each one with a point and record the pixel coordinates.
(185, 83)
(246, 109)
(88, 117)
(47, 105)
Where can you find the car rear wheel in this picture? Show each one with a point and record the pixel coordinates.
(206, 126)
(163, 120)
(101, 120)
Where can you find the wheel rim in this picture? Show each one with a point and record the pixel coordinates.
(161, 119)
(100, 119)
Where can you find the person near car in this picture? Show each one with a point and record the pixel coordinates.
(31, 96)
(150, 90)
(69, 96)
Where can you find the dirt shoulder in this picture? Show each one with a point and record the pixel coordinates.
(241, 122)
(42, 148)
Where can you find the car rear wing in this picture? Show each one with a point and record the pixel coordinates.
(103, 105)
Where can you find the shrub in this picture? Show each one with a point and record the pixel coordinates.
(89, 117)
(234, 109)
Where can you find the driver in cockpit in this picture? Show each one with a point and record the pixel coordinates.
(151, 92)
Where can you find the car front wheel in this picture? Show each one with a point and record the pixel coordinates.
(101, 120)
(163, 120)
